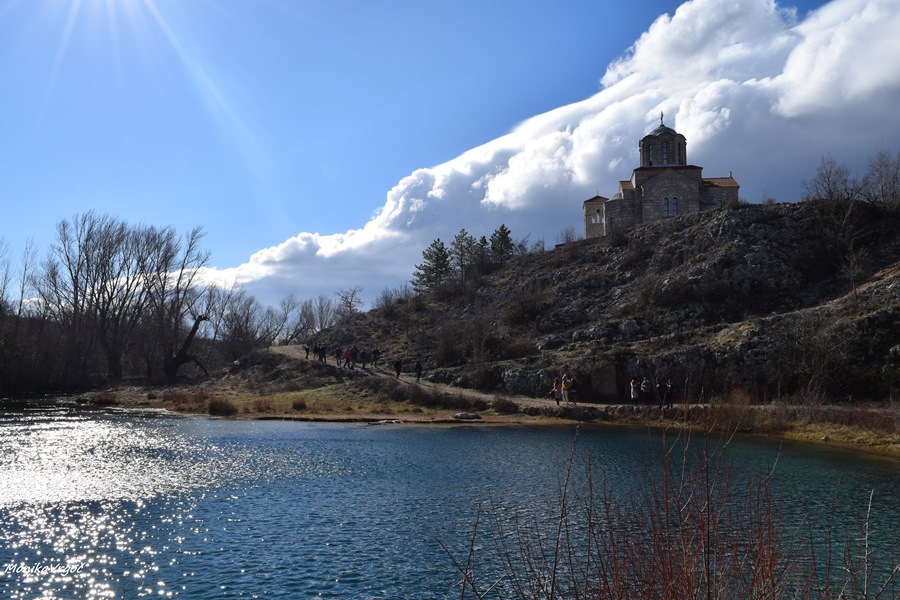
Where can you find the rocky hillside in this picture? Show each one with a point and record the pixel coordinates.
(798, 301)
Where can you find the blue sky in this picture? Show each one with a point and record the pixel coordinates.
(325, 144)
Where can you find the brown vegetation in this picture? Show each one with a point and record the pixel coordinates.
(692, 529)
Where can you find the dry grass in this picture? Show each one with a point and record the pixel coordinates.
(221, 407)
(690, 530)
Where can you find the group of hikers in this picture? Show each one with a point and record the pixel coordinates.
(346, 358)
(644, 392)
(349, 357)
(564, 390)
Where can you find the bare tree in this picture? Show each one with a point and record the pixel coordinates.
(66, 297)
(881, 182)
(5, 278)
(277, 322)
(26, 277)
(302, 322)
(116, 287)
(245, 325)
(349, 301)
(853, 266)
(171, 271)
(385, 300)
(325, 312)
(567, 235)
(833, 183)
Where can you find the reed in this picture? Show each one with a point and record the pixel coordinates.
(692, 529)
(222, 407)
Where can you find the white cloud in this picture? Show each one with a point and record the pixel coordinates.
(754, 92)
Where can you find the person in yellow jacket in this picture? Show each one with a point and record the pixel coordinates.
(566, 384)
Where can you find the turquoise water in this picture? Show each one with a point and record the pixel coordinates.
(130, 505)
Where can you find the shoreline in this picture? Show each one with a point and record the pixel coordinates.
(811, 425)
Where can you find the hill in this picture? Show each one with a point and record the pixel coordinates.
(778, 301)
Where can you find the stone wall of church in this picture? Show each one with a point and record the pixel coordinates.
(593, 219)
(718, 197)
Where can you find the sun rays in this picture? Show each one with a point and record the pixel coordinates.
(126, 44)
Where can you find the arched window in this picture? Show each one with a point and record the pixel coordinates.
(675, 206)
(665, 207)
(665, 153)
(680, 159)
(719, 203)
(650, 155)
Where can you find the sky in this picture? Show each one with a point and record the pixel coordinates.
(323, 145)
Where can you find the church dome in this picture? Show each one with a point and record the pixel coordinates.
(663, 129)
(663, 147)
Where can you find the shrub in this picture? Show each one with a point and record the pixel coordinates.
(733, 412)
(105, 398)
(222, 407)
(504, 406)
(262, 405)
(299, 404)
(527, 307)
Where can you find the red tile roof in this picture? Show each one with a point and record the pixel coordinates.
(721, 181)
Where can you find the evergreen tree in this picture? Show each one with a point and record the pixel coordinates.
(435, 269)
(483, 255)
(502, 245)
(463, 252)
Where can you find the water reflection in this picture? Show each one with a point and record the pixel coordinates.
(110, 505)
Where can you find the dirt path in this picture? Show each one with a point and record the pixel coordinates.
(298, 353)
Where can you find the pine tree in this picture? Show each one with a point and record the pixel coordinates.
(435, 269)
(502, 245)
(463, 251)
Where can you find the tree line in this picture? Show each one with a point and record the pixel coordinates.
(112, 301)
(446, 267)
(835, 182)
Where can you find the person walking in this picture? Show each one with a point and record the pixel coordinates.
(635, 390)
(418, 371)
(556, 392)
(398, 366)
(566, 382)
(573, 391)
(670, 392)
(645, 391)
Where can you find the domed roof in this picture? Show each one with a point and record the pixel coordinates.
(662, 129)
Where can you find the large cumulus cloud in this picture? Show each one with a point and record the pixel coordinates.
(754, 91)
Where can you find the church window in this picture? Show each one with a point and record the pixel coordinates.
(665, 207)
(665, 153)
(650, 155)
(675, 206)
(680, 160)
(719, 203)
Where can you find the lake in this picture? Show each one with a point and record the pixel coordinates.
(137, 504)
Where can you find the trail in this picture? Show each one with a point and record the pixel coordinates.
(299, 353)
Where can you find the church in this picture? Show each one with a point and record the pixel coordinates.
(664, 186)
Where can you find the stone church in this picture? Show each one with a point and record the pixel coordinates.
(664, 186)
